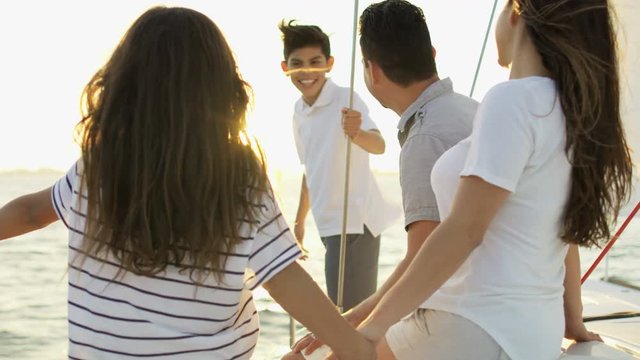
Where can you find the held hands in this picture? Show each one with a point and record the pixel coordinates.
(360, 348)
(372, 334)
(351, 122)
(355, 317)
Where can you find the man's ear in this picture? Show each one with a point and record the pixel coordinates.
(433, 52)
(284, 66)
(330, 63)
(374, 70)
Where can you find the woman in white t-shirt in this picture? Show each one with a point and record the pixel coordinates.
(545, 169)
(172, 222)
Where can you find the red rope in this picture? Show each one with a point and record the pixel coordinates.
(611, 242)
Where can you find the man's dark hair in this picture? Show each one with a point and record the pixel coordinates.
(299, 36)
(394, 34)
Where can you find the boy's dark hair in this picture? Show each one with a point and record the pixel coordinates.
(299, 36)
(394, 34)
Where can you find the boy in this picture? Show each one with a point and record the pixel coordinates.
(320, 122)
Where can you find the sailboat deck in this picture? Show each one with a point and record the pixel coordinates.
(603, 298)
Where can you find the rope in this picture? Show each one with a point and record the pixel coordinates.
(484, 46)
(292, 331)
(613, 316)
(611, 242)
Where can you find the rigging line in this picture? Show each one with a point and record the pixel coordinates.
(611, 242)
(484, 46)
(613, 316)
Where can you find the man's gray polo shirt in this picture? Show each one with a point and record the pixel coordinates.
(437, 120)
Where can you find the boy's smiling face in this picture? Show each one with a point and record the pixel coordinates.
(307, 68)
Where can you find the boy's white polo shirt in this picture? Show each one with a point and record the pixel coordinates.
(321, 145)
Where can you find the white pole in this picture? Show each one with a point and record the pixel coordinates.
(292, 331)
(343, 235)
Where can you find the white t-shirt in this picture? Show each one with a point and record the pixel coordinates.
(512, 284)
(322, 148)
(167, 315)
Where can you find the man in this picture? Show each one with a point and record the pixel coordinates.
(400, 72)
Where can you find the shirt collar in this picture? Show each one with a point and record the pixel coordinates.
(432, 91)
(324, 99)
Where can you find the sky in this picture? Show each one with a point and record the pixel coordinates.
(51, 49)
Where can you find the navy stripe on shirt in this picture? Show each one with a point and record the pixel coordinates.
(84, 253)
(78, 212)
(276, 258)
(147, 309)
(105, 315)
(283, 262)
(113, 281)
(155, 338)
(68, 182)
(60, 214)
(81, 195)
(166, 353)
(193, 334)
(269, 243)
(243, 353)
(59, 192)
(270, 222)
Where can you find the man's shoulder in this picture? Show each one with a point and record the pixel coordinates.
(450, 105)
(457, 99)
(447, 118)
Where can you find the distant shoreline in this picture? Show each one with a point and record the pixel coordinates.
(38, 171)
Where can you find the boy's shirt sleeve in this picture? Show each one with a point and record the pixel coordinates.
(359, 105)
(273, 246)
(61, 194)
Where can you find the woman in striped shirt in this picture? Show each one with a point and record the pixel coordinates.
(172, 222)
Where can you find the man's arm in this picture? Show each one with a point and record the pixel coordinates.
(27, 213)
(417, 233)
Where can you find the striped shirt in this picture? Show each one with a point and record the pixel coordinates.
(114, 313)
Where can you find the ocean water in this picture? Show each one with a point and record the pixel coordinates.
(33, 272)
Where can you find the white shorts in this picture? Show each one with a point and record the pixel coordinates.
(439, 335)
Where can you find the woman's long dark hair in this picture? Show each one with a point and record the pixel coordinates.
(577, 42)
(168, 168)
